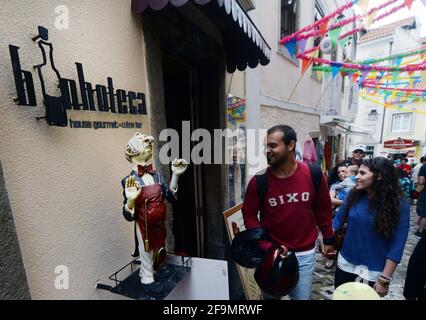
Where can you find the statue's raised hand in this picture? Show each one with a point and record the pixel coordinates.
(179, 166)
(133, 189)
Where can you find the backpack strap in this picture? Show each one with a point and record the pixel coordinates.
(316, 176)
(262, 189)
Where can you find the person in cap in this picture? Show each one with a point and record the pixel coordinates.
(358, 155)
(292, 209)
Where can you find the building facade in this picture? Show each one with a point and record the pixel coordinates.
(317, 107)
(398, 130)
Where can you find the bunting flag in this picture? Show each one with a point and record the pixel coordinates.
(396, 58)
(364, 74)
(424, 2)
(408, 3)
(316, 53)
(323, 28)
(398, 61)
(423, 82)
(342, 43)
(301, 44)
(397, 106)
(395, 75)
(335, 68)
(363, 5)
(355, 77)
(305, 64)
(369, 20)
(334, 34)
(407, 68)
(291, 47)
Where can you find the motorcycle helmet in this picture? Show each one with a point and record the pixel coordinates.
(276, 275)
(245, 249)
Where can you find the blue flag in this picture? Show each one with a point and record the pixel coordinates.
(291, 47)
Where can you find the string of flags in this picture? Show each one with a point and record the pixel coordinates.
(381, 77)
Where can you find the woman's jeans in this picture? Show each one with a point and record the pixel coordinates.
(303, 289)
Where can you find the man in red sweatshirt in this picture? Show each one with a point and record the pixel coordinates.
(292, 208)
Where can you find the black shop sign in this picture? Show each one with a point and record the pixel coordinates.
(98, 98)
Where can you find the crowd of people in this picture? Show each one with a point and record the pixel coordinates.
(366, 199)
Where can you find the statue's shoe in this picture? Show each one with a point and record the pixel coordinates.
(163, 273)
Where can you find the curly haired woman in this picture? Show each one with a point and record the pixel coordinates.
(377, 220)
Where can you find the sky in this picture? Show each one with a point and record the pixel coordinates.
(417, 9)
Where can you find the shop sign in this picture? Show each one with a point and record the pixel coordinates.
(399, 143)
(98, 97)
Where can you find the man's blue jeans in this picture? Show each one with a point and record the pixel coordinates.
(303, 289)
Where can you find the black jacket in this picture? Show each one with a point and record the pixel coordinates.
(415, 280)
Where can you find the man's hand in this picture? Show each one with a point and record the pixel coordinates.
(329, 252)
(284, 251)
(179, 166)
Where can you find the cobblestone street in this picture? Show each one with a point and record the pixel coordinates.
(323, 285)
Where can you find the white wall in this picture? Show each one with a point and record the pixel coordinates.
(63, 183)
(279, 77)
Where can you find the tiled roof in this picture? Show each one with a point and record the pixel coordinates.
(386, 30)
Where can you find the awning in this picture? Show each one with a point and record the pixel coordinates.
(344, 124)
(243, 42)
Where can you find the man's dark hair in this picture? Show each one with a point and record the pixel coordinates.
(422, 159)
(287, 131)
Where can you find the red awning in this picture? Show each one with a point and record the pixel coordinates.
(399, 143)
(243, 43)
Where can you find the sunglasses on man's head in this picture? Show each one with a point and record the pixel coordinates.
(359, 151)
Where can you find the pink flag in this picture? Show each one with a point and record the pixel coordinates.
(408, 3)
(302, 45)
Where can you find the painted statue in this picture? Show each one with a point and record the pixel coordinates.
(144, 191)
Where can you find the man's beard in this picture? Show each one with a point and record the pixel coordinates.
(276, 162)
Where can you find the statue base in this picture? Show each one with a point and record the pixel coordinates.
(166, 279)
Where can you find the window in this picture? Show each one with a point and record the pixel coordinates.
(370, 152)
(288, 17)
(288, 24)
(401, 122)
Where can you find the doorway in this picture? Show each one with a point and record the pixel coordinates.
(178, 96)
(187, 68)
